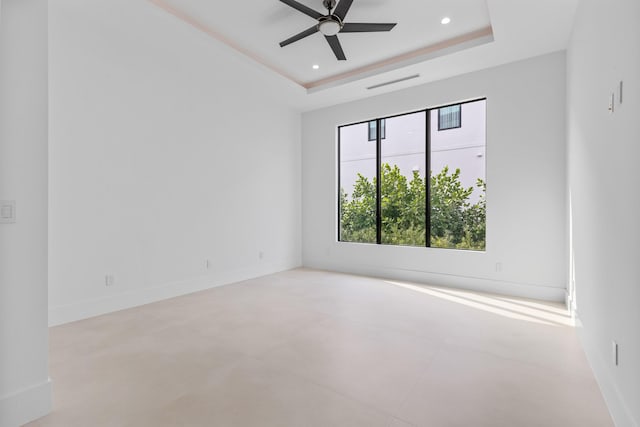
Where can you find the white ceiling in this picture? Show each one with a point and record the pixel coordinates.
(517, 29)
(258, 26)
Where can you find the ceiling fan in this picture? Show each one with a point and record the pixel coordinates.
(331, 24)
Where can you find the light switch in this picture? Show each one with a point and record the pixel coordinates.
(7, 211)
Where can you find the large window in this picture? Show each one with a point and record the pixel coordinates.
(421, 188)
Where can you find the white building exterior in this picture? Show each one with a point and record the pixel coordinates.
(404, 145)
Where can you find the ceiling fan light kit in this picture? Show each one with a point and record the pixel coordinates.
(329, 27)
(331, 24)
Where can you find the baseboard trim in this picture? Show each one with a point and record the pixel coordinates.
(26, 405)
(515, 289)
(90, 308)
(613, 398)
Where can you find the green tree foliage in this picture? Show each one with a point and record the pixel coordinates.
(403, 207)
(358, 216)
(455, 222)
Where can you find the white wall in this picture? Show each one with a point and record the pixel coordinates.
(25, 391)
(525, 184)
(605, 201)
(167, 149)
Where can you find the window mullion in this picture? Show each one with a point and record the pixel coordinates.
(378, 183)
(427, 174)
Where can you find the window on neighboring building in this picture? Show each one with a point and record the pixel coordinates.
(372, 130)
(450, 117)
(421, 188)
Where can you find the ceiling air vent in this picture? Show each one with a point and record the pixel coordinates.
(415, 76)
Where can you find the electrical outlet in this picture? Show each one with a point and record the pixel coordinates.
(207, 264)
(615, 353)
(498, 267)
(7, 211)
(260, 255)
(109, 280)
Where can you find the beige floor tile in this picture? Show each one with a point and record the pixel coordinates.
(314, 348)
(465, 387)
(373, 365)
(551, 347)
(395, 422)
(251, 394)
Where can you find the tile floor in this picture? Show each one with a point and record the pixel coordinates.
(313, 348)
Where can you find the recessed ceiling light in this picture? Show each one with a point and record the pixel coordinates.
(315, 66)
(445, 20)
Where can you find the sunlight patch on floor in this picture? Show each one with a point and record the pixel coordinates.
(513, 308)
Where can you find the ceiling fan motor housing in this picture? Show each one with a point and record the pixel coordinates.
(329, 4)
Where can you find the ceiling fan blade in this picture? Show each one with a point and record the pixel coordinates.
(335, 47)
(300, 36)
(343, 7)
(302, 8)
(365, 27)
